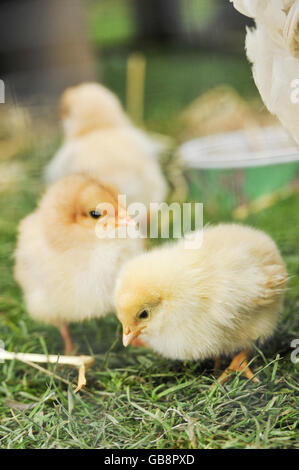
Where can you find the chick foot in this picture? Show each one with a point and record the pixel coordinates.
(238, 364)
(69, 346)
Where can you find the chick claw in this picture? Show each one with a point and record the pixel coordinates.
(238, 364)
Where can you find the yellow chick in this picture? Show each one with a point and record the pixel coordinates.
(100, 140)
(219, 299)
(66, 260)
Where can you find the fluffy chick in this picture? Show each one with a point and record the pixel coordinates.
(66, 271)
(102, 142)
(191, 304)
(273, 49)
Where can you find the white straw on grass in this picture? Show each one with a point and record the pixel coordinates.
(82, 362)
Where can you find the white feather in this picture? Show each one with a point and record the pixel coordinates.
(273, 49)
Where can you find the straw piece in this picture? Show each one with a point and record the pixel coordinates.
(135, 86)
(82, 362)
(81, 378)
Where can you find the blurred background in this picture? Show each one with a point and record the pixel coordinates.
(181, 72)
(189, 46)
(178, 66)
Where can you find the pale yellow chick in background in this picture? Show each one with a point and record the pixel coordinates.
(203, 303)
(100, 140)
(66, 272)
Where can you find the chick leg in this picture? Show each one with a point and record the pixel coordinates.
(217, 363)
(238, 364)
(68, 343)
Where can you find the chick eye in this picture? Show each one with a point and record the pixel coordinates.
(143, 315)
(95, 214)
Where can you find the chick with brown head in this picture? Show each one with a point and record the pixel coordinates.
(66, 270)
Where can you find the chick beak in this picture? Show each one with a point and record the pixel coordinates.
(129, 335)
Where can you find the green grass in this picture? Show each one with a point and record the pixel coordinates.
(135, 399)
